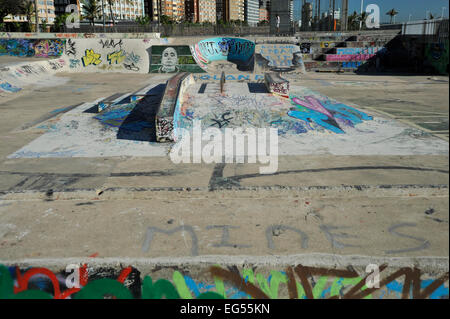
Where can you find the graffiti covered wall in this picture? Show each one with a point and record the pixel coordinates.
(29, 48)
(238, 51)
(81, 281)
(171, 59)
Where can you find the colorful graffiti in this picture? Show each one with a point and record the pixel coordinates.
(49, 48)
(171, 59)
(81, 282)
(116, 57)
(235, 50)
(91, 58)
(28, 48)
(16, 47)
(326, 113)
(279, 55)
(349, 57)
(7, 87)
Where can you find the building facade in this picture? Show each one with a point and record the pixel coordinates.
(251, 12)
(206, 11)
(174, 9)
(263, 14)
(235, 10)
(46, 13)
(125, 9)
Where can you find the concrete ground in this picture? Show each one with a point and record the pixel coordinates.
(373, 206)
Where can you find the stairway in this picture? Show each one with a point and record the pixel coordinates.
(339, 52)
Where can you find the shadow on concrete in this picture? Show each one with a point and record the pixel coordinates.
(257, 88)
(139, 124)
(409, 55)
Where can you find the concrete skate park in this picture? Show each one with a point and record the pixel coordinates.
(88, 189)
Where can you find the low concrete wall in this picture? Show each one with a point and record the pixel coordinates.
(167, 115)
(277, 277)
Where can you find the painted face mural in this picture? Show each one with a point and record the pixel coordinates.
(169, 60)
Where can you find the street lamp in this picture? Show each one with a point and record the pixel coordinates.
(104, 24)
(360, 22)
(443, 9)
(37, 15)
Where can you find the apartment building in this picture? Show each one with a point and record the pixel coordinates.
(46, 12)
(232, 10)
(207, 11)
(263, 14)
(174, 9)
(127, 10)
(251, 12)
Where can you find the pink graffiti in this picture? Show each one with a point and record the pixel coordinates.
(313, 104)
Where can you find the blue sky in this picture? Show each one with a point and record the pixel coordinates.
(417, 8)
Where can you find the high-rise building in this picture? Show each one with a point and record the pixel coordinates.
(251, 12)
(174, 9)
(297, 10)
(206, 11)
(121, 9)
(307, 15)
(200, 11)
(263, 14)
(230, 10)
(151, 9)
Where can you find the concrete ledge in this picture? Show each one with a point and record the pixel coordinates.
(313, 276)
(166, 118)
(275, 84)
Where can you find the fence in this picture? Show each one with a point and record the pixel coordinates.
(177, 30)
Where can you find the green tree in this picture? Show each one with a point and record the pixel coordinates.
(60, 21)
(8, 7)
(353, 21)
(27, 8)
(91, 10)
(392, 13)
(143, 20)
(166, 20)
(362, 18)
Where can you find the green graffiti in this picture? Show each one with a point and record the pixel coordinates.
(181, 286)
(220, 287)
(100, 288)
(210, 295)
(319, 287)
(160, 288)
(271, 289)
(7, 288)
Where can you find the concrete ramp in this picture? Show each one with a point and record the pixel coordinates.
(169, 107)
(211, 53)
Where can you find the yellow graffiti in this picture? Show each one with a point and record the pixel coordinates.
(116, 57)
(91, 57)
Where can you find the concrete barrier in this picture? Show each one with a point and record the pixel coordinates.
(166, 116)
(275, 84)
(314, 276)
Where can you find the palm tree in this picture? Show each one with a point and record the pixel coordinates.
(91, 10)
(353, 21)
(392, 13)
(110, 3)
(27, 9)
(362, 17)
